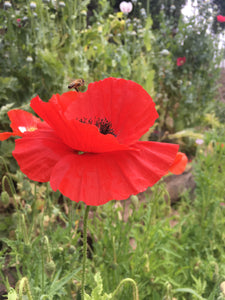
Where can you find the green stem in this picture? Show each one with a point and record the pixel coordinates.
(148, 6)
(24, 284)
(12, 189)
(135, 288)
(84, 251)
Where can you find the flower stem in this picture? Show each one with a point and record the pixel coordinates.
(135, 288)
(24, 284)
(84, 251)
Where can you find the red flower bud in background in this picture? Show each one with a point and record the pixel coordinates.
(179, 164)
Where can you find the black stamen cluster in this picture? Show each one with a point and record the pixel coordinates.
(104, 126)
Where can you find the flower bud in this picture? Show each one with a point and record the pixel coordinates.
(28, 208)
(7, 4)
(62, 4)
(126, 7)
(5, 198)
(33, 5)
(29, 59)
(222, 287)
(164, 52)
(72, 249)
(134, 201)
(83, 12)
(103, 215)
(50, 268)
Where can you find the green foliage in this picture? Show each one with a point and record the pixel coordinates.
(42, 49)
(97, 291)
(171, 9)
(184, 91)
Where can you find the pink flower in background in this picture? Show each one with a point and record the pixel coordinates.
(221, 19)
(18, 22)
(199, 141)
(126, 7)
(181, 61)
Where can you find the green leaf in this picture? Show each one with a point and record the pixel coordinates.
(98, 290)
(87, 297)
(12, 294)
(190, 291)
(56, 286)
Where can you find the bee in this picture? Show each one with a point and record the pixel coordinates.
(76, 84)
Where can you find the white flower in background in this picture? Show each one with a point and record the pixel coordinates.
(33, 5)
(7, 4)
(126, 7)
(29, 59)
(164, 52)
(143, 13)
(62, 4)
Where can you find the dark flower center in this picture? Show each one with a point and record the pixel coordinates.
(104, 126)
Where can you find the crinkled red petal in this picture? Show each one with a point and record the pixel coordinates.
(98, 178)
(179, 165)
(37, 152)
(124, 103)
(20, 118)
(21, 121)
(75, 134)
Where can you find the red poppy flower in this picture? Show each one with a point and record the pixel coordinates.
(89, 148)
(181, 61)
(179, 164)
(21, 121)
(220, 18)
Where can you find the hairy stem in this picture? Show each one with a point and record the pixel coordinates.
(135, 288)
(84, 251)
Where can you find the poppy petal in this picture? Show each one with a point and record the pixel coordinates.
(122, 102)
(179, 164)
(22, 120)
(37, 152)
(5, 135)
(99, 178)
(75, 134)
